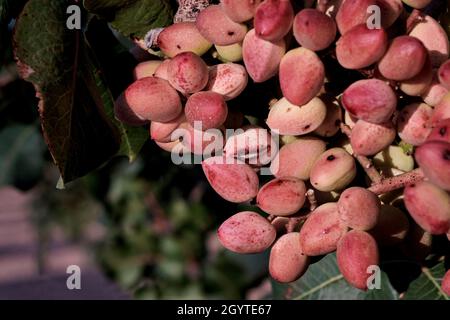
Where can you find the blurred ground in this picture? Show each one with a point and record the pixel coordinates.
(27, 273)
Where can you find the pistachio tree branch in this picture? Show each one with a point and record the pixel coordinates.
(311, 195)
(397, 182)
(365, 162)
(294, 222)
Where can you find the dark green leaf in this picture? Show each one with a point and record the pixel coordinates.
(428, 285)
(133, 18)
(105, 6)
(113, 67)
(323, 281)
(76, 128)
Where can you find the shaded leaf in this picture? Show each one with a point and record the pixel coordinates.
(72, 112)
(105, 6)
(323, 281)
(133, 18)
(114, 65)
(428, 285)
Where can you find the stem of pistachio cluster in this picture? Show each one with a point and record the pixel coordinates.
(384, 186)
(294, 221)
(322, 5)
(397, 182)
(290, 226)
(414, 18)
(365, 162)
(311, 195)
(369, 168)
(381, 185)
(272, 102)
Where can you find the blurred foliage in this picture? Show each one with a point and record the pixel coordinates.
(158, 220)
(159, 223)
(167, 243)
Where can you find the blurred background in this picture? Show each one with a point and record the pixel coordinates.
(145, 230)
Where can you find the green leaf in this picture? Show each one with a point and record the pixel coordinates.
(21, 155)
(72, 112)
(133, 18)
(428, 285)
(105, 6)
(113, 72)
(132, 138)
(323, 281)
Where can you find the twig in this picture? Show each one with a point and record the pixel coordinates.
(295, 221)
(366, 163)
(322, 5)
(414, 18)
(370, 169)
(272, 102)
(311, 195)
(381, 187)
(397, 182)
